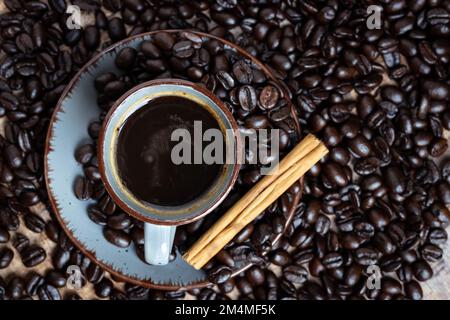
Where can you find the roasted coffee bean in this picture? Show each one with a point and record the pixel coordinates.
(104, 288)
(13, 156)
(82, 188)
(220, 275)
(225, 79)
(33, 256)
(243, 72)
(413, 290)
(244, 286)
(331, 136)
(225, 258)
(117, 295)
(303, 256)
(6, 256)
(94, 274)
(94, 129)
(183, 49)
(384, 243)
(92, 173)
(135, 5)
(431, 253)
(366, 256)
(56, 279)
(164, 40)
(116, 29)
(6, 174)
(278, 115)
(137, 234)
(72, 37)
(280, 257)
(207, 294)
(34, 222)
(4, 235)
(392, 93)
(409, 256)
(24, 43)
(437, 90)
(445, 170)
(335, 174)
(107, 205)
(201, 58)
(314, 290)
(281, 62)
(302, 238)
(268, 97)
(48, 292)
(422, 270)
(353, 275)
(423, 138)
(119, 221)
(340, 156)
(437, 236)
(444, 192)
(84, 153)
(16, 288)
(371, 182)
(64, 242)
(255, 275)
(150, 50)
(260, 293)
(97, 216)
(257, 122)
(395, 179)
(174, 295)
(60, 258)
(256, 259)
(137, 293)
(247, 97)
(91, 37)
(125, 59)
(21, 242)
(278, 224)
(367, 166)
(295, 274)
(34, 281)
(224, 18)
(322, 225)
(391, 286)
(378, 218)
(332, 260)
(360, 146)
(117, 237)
(438, 147)
(8, 101)
(261, 235)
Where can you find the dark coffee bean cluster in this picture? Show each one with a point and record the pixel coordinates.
(256, 102)
(378, 98)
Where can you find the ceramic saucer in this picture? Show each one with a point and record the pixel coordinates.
(76, 109)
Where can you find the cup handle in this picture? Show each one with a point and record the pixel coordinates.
(158, 242)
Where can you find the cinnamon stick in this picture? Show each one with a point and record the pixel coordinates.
(306, 145)
(308, 152)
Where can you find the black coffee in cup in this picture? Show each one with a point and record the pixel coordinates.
(144, 152)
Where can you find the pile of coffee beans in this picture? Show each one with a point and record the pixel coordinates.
(378, 97)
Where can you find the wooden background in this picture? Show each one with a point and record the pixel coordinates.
(436, 288)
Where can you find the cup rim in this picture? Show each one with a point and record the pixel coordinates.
(226, 187)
